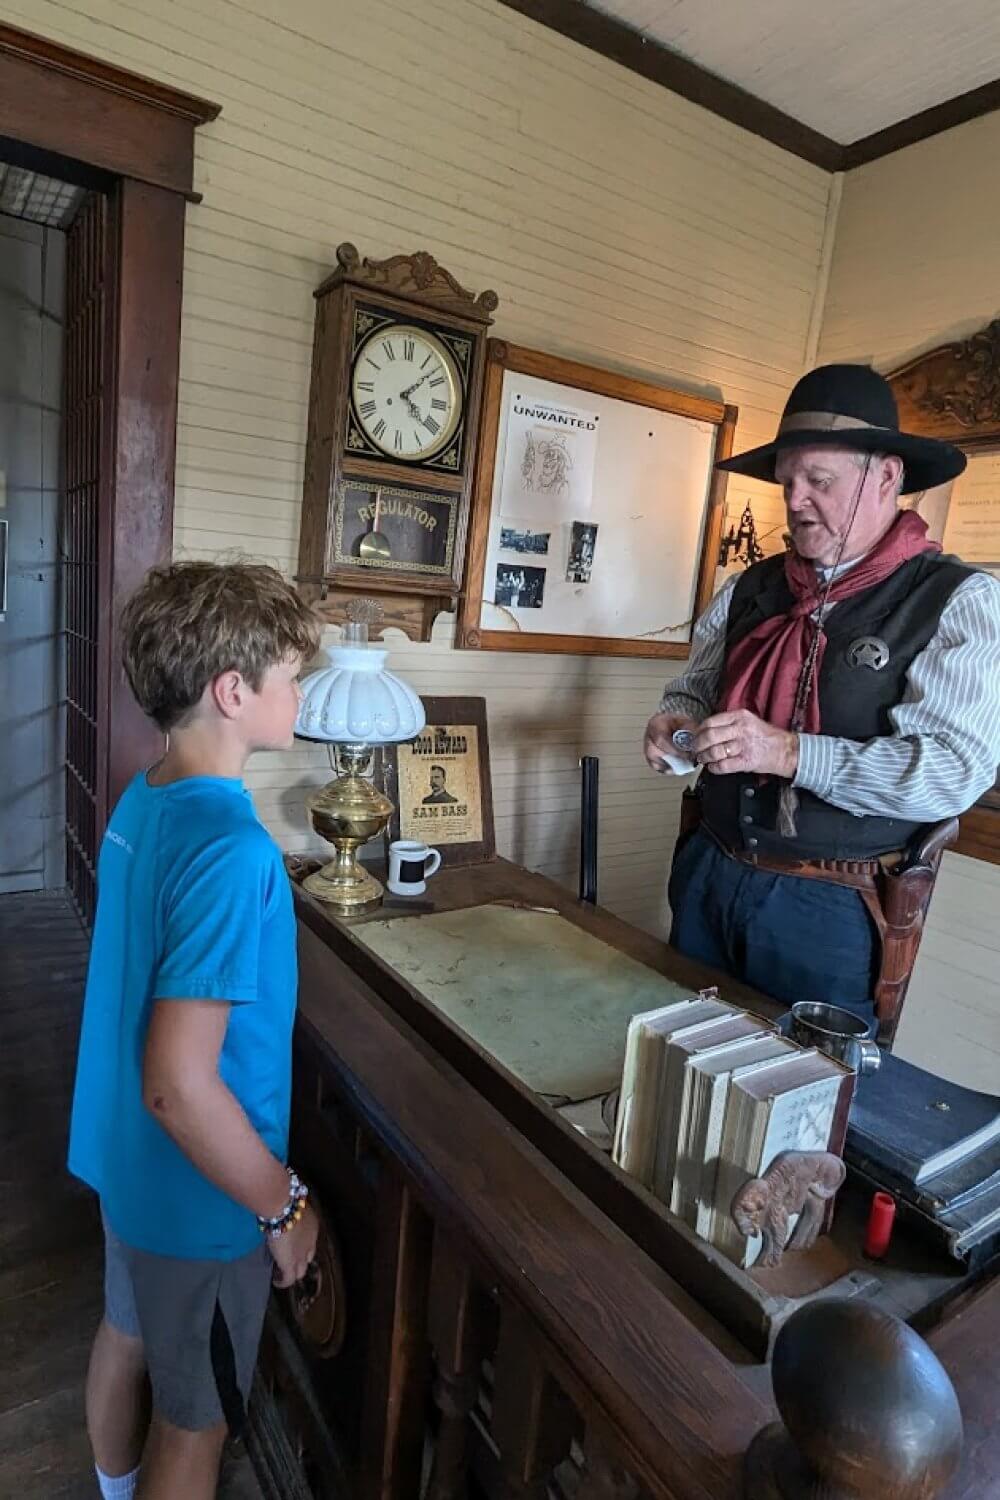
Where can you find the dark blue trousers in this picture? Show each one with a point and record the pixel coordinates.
(793, 939)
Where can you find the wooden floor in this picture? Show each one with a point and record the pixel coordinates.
(50, 1242)
(50, 1248)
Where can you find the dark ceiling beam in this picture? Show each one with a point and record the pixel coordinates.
(649, 58)
(920, 127)
(643, 55)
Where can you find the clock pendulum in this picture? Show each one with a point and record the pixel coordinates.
(375, 543)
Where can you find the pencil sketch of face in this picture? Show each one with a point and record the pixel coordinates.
(556, 463)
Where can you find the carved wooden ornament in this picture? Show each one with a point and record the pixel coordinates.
(953, 392)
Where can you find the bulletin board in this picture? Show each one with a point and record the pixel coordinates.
(597, 510)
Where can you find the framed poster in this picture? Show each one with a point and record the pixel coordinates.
(440, 783)
(597, 510)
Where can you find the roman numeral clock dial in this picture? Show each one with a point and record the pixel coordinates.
(407, 392)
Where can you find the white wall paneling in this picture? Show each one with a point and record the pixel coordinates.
(619, 224)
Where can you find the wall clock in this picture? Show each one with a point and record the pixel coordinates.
(393, 413)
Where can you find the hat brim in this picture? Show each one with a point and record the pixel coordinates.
(926, 461)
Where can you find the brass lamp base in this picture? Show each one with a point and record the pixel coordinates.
(351, 892)
(347, 812)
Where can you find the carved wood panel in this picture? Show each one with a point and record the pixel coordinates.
(953, 392)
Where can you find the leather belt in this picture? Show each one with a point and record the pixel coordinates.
(895, 887)
(861, 874)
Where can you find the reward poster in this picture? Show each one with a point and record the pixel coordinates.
(439, 786)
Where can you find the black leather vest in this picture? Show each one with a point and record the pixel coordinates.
(903, 612)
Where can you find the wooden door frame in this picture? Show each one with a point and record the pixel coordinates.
(88, 122)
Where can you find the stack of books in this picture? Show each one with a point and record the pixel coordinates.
(710, 1095)
(936, 1147)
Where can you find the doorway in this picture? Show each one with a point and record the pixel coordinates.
(34, 214)
(53, 327)
(89, 322)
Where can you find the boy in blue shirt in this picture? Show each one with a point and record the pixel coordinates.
(181, 1109)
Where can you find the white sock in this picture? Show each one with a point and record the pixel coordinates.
(122, 1488)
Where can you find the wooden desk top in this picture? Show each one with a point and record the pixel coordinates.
(500, 880)
(667, 1378)
(969, 1330)
(669, 1242)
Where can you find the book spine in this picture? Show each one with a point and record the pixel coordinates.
(708, 1176)
(679, 1168)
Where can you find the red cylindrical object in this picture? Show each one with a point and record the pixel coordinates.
(880, 1222)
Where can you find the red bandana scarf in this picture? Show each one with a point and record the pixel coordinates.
(763, 670)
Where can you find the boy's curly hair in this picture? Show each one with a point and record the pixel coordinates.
(191, 621)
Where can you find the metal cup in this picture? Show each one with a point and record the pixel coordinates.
(839, 1033)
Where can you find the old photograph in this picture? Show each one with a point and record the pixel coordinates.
(522, 539)
(583, 541)
(437, 781)
(519, 588)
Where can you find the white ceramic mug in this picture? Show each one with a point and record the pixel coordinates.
(411, 864)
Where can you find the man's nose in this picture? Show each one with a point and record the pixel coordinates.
(796, 494)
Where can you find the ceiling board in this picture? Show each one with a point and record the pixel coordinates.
(846, 70)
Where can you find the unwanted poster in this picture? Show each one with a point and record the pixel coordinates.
(551, 451)
(439, 785)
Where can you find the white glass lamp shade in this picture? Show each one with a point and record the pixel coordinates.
(355, 701)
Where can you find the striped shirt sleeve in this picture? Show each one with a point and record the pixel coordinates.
(695, 692)
(945, 748)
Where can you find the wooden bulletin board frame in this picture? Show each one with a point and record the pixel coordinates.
(502, 357)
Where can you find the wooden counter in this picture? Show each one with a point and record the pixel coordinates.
(508, 1290)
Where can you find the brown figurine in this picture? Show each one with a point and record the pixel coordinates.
(796, 1182)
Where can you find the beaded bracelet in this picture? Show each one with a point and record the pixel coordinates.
(292, 1211)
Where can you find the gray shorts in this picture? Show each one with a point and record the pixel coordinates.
(200, 1323)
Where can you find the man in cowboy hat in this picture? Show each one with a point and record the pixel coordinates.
(841, 697)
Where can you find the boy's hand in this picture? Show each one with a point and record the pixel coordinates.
(294, 1251)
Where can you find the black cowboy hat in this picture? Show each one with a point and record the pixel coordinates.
(851, 406)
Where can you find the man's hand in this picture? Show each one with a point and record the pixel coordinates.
(294, 1251)
(739, 741)
(659, 736)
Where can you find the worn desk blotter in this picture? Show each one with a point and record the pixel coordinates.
(545, 998)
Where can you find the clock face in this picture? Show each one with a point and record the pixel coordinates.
(407, 392)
